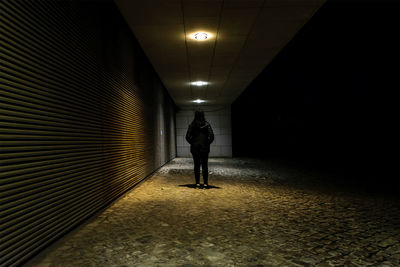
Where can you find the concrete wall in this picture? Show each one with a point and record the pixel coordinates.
(323, 101)
(220, 120)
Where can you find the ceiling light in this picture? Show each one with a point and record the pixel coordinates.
(200, 36)
(198, 101)
(199, 83)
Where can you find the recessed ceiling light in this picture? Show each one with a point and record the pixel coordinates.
(198, 101)
(200, 36)
(199, 83)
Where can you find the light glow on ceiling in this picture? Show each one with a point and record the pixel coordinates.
(198, 101)
(199, 83)
(200, 36)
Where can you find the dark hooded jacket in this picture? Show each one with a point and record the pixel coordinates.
(199, 135)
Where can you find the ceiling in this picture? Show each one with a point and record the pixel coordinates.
(243, 37)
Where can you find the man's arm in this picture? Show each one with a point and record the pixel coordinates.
(189, 135)
(210, 134)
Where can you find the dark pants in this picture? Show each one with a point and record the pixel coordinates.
(200, 158)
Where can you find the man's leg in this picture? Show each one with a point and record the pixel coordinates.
(196, 159)
(204, 167)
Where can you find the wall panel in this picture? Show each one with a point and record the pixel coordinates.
(78, 112)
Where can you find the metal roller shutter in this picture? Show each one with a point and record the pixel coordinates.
(77, 120)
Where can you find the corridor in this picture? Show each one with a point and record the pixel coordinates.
(256, 213)
(97, 99)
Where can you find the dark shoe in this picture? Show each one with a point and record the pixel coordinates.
(206, 186)
(197, 186)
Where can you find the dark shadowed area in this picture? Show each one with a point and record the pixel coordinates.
(327, 100)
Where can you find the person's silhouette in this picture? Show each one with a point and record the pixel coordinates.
(200, 135)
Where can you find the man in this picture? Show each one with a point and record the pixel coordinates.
(200, 135)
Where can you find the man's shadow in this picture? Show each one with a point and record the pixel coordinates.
(201, 186)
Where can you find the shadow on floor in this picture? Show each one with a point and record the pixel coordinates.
(194, 186)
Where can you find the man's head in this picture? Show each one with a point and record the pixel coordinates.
(199, 115)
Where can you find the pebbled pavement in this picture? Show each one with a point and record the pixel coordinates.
(255, 214)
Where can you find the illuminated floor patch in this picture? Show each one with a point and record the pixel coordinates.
(255, 214)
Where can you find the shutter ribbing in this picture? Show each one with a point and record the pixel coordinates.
(76, 129)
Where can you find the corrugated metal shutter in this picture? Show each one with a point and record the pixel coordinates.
(76, 126)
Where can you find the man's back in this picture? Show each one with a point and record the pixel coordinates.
(200, 137)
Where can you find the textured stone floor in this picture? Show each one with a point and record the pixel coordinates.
(256, 214)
